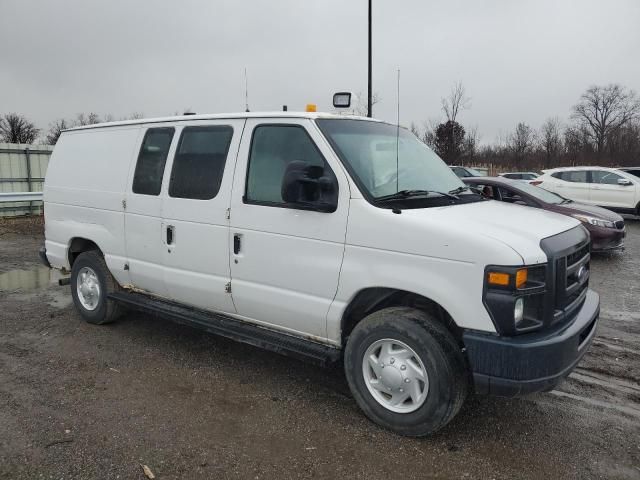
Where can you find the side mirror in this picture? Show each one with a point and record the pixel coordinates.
(305, 186)
(624, 182)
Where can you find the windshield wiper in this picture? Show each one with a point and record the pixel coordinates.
(402, 194)
(458, 190)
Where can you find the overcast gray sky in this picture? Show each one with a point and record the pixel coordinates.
(519, 60)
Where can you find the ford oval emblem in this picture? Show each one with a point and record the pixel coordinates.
(582, 274)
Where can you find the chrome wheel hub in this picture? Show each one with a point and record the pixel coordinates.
(88, 288)
(395, 375)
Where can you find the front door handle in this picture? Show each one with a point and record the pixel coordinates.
(170, 234)
(236, 243)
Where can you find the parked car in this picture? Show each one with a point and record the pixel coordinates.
(326, 237)
(527, 176)
(464, 172)
(607, 228)
(635, 171)
(607, 187)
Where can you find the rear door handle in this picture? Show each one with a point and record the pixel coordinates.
(236, 243)
(170, 234)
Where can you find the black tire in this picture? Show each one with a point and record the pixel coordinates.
(438, 351)
(106, 311)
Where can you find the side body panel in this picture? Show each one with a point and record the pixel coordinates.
(196, 263)
(286, 272)
(388, 250)
(143, 230)
(612, 194)
(84, 192)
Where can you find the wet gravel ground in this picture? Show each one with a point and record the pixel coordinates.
(83, 401)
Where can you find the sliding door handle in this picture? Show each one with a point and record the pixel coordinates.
(236, 243)
(170, 234)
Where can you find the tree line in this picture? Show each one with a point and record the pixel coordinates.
(16, 128)
(603, 128)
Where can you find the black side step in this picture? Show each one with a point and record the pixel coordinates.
(228, 327)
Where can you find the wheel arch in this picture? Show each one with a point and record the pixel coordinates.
(372, 299)
(78, 245)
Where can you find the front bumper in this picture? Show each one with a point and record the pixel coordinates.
(607, 239)
(534, 362)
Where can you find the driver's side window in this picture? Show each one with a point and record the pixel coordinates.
(510, 196)
(273, 149)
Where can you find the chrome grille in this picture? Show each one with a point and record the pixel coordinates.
(573, 278)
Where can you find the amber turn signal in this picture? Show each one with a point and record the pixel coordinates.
(499, 278)
(521, 278)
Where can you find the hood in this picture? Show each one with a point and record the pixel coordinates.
(592, 210)
(519, 227)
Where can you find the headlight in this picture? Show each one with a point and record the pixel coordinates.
(594, 221)
(518, 311)
(514, 297)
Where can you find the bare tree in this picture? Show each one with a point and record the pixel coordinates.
(470, 144)
(87, 119)
(521, 142)
(16, 128)
(604, 109)
(429, 132)
(360, 108)
(456, 101)
(551, 140)
(55, 129)
(415, 130)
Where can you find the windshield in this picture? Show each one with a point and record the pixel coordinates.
(474, 172)
(384, 159)
(541, 194)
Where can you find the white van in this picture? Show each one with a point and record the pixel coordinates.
(325, 237)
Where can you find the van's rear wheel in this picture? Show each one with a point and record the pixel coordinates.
(406, 371)
(91, 282)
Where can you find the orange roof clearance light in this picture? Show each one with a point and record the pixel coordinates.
(311, 107)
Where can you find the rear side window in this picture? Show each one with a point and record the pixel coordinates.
(273, 147)
(147, 179)
(577, 176)
(199, 162)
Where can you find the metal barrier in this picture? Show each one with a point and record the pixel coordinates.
(20, 196)
(22, 169)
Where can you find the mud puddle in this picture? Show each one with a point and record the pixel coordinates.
(27, 284)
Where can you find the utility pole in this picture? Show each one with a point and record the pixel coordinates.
(370, 91)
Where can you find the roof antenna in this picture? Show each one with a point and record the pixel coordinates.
(398, 138)
(246, 90)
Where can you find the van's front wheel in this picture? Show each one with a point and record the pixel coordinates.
(405, 371)
(91, 282)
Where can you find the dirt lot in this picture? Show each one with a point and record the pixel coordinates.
(83, 401)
